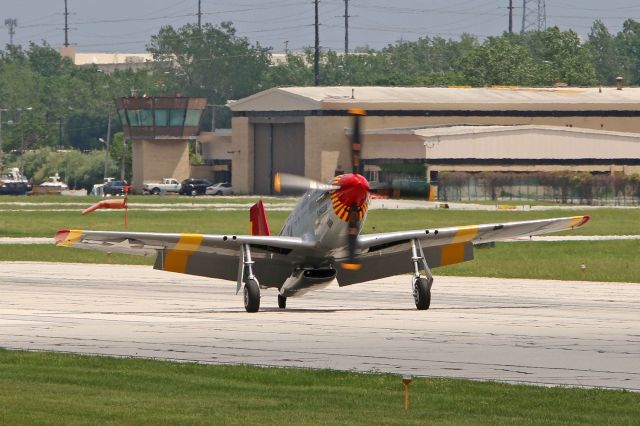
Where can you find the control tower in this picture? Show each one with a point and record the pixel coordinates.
(160, 129)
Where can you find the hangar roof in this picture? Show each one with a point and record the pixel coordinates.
(506, 142)
(440, 98)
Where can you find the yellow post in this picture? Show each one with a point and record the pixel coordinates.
(405, 381)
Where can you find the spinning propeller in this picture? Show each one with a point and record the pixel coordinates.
(350, 191)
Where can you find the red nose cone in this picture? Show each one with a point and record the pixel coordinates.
(354, 189)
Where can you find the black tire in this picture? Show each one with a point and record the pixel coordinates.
(421, 293)
(194, 192)
(155, 191)
(251, 296)
(219, 193)
(282, 302)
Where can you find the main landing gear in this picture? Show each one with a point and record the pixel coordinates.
(251, 285)
(421, 285)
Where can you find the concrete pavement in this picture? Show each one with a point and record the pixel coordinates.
(522, 331)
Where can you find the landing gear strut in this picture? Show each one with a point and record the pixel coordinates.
(251, 285)
(421, 285)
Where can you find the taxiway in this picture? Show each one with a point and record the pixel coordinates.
(525, 331)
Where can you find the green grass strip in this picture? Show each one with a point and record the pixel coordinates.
(46, 223)
(49, 388)
(609, 261)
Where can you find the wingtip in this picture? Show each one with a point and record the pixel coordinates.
(61, 236)
(584, 220)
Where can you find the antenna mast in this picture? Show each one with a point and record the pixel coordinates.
(12, 23)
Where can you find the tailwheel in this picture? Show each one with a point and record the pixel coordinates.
(421, 293)
(251, 295)
(282, 302)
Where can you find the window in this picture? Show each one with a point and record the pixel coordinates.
(193, 118)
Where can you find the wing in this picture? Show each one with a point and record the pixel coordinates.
(215, 256)
(443, 246)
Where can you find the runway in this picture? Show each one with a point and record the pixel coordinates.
(522, 331)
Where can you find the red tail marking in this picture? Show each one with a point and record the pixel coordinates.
(258, 219)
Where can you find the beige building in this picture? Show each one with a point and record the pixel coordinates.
(108, 62)
(305, 130)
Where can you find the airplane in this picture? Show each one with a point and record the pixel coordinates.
(321, 241)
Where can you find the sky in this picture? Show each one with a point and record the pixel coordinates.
(127, 25)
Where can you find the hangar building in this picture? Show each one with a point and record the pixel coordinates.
(305, 130)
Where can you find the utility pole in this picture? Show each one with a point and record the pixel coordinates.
(510, 16)
(12, 23)
(107, 148)
(346, 27)
(199, 13)
(1, 111)
(66, 25)
(316, 55)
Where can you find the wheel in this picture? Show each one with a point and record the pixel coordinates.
(194, 192)
(282, 302)
(219, 193)
(251, 296)
(155, 191)
(421, 293)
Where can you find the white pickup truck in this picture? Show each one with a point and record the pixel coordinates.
(168, 185)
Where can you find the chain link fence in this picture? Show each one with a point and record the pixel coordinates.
(557, 187)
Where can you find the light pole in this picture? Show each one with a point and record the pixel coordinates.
(1, 111)
(19, 110)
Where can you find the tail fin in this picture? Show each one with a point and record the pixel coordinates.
(258, 219)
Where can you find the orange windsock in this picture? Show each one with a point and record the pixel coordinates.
(107, 204)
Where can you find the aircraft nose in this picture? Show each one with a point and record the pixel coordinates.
(354, 189)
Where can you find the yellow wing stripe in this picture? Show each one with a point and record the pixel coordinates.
(452, 254)
(575, 221)
(72, 238)
(176, 259)
(465, 234)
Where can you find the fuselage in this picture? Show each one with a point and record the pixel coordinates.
(322, 216)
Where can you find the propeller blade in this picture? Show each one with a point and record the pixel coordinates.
(287, 182)
(356, 140)
(352, 239)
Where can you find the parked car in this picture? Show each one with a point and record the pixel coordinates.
(194, 186)
(220, 188)
(115, 187)
(165, 186)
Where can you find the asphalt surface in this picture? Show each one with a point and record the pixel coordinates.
(527, 331)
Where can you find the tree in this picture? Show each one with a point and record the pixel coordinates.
(602, 46)
(628, 47)
(497, 61)
(211, 61)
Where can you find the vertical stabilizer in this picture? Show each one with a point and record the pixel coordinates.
(258, 220)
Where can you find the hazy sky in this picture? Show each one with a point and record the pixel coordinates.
(126, 25)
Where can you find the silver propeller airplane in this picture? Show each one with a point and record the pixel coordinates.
(319, 243)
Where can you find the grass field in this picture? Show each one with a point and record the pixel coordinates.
(45, 223)
(7, 201)
(615, 261)
(46, 388)
(605, 260)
